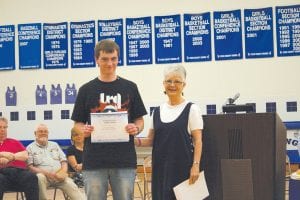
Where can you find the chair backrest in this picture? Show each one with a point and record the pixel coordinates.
(147, 167)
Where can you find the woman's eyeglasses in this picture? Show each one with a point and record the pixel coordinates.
(176, 82)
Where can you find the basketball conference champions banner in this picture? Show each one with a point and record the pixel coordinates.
(29, 36)
(139, 41)
(228, 35)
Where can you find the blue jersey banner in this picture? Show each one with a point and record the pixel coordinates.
(197, 37)
(55, 94)
(259, 33)
(11, 96)
(112, 29)
(288, 30)
(7, 47)
(228, 35)
(70, 94)
(139, 41)
(29, 36)
(82, 44)
(167, 39)
(56, 45)
(40, 95)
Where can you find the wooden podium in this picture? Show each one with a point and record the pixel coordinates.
(244, 156)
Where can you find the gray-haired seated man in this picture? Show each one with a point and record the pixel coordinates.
(49, 162)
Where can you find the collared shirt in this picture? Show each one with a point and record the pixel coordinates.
(47, 157)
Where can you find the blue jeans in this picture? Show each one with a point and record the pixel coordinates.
(121, 181)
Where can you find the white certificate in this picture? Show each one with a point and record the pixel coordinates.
(109, 127)
(198, 190)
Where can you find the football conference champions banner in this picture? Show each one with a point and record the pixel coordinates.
(112, 29)
(82, 44)
(228, 35)
(167, 39)
(259, 33)
(55, 45)
(138, 41)
(197, 37)
(29, 36)
(288, 30)
(7, 47)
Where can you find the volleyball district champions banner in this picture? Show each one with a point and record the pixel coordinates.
(227, 27)
(29, 36)
(82, 44)
(112, 29)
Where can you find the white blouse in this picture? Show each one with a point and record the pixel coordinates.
(169, 113)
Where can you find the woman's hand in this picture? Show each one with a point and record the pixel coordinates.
(194, 174)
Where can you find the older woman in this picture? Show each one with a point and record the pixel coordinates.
(176, 135)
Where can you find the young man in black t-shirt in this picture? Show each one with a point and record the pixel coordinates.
(110, 162)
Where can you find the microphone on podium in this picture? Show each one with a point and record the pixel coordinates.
(234, 98)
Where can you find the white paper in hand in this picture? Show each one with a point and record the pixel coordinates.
(198, 190)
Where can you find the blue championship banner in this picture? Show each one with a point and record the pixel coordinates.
(259, 33)
(228, 35)
(29, 36)
(197, 37)
(7, 47)
(167, 39)
(55, 45)
(288, 30)
(82, 44)
(112, 29)
(139, 41)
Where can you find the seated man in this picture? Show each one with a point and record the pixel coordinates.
(13, 173)
(48, 161)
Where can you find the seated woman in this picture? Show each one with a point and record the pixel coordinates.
(74, 156)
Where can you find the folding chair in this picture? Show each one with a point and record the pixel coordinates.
(147, 169)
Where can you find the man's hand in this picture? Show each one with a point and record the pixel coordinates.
(3, 162)
(8, 155)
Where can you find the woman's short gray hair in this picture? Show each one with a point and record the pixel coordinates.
(176, 69)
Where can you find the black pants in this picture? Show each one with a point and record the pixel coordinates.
(17, 179)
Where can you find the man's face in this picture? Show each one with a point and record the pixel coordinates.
(108, 62)
(3, 130)
(41, 135)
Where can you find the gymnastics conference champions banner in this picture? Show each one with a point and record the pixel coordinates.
(259, 33)
(55, 45)
(29, 36)
(228, 35)
(167, 39)
(82, 44)
(7, 47)
(112, 29)
(288, 30)
(197, 37)
(139, 41)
